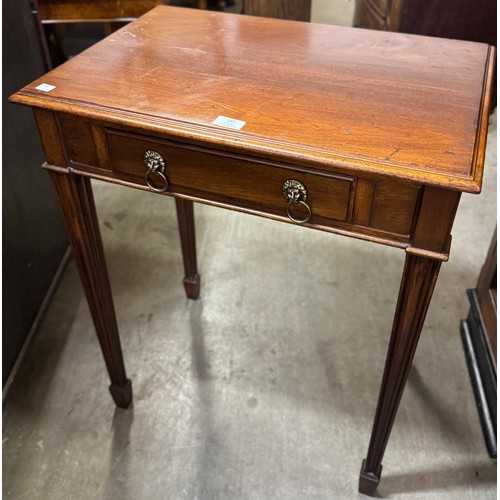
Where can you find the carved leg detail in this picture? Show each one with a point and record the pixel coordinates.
(185, 217)
(77, 205)
(417, 284)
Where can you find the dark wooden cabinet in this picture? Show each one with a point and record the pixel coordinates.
(473, 20)
(34, 241)
(479, 336)
(297, 10)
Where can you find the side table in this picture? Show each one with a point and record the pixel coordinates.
(366, 134)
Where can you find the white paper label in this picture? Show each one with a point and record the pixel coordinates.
(224, 121)
(45, 87)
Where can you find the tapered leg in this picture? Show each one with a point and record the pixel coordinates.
(417, 284)
(78, 209)
(185, 217)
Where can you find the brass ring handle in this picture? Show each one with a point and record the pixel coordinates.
(296, 194)
(307, 218)
(161, 189)
(156, 166)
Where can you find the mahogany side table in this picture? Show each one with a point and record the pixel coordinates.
(361, 133)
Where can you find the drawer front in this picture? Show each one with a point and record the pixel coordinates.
(380, 208)
(231, 179)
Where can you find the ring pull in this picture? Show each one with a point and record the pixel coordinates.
(296, 194)
(156, 166)
(292, 218)
(159, 175)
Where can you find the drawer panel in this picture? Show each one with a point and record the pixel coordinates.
(226, 178)
(78, 141)
(382, 207)
(393, 206)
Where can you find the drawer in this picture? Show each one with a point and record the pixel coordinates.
(382, 208)
(230, 179)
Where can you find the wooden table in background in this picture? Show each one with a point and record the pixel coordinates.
(296, 10)
(366, 134)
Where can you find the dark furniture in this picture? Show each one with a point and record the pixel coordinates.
(473, 20)
(34, 240)
(479, 336)
(52, 14)
(334, 128)
(297, 10)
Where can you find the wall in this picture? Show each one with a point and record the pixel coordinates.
(34, 240)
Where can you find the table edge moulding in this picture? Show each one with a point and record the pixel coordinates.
(366, 134)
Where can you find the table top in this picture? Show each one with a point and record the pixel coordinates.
(364, 101)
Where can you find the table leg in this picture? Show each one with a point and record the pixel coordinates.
(185, 217)
(417, 284)
(77, 205)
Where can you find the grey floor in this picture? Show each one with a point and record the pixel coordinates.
(264, 388)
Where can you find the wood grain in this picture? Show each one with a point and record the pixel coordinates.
(434, 220)
(296, 10)
(385, 130)
(229, 178)
(335, 97)
(76, 201)
(77, 136)
(379, 209)
(56, 11)
(185, 218)
(417, 284)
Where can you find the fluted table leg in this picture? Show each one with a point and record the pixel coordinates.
(185, 218)
(77, 205)
(417, 284)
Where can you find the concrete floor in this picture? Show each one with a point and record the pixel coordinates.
(264, 388)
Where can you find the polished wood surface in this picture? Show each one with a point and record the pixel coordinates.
(400, 109)
(76, 202)
(384, 130)
(57, 11)
(51, 15)
(196, 172)
(417, 285)
(185, 218)
(78, 209)
(381, 210)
